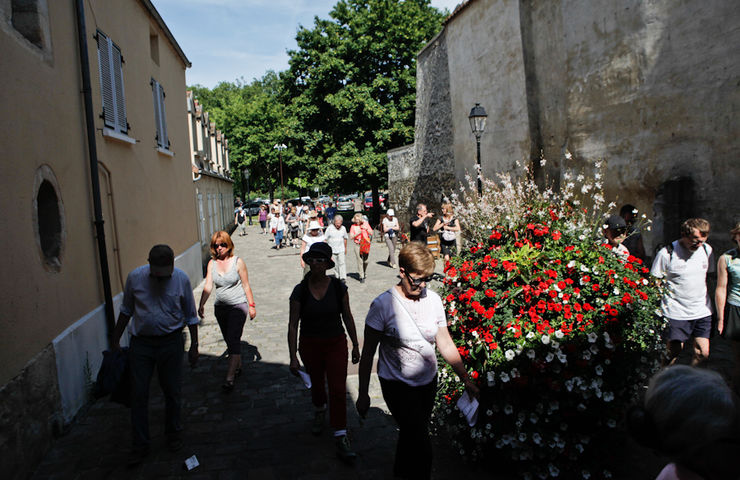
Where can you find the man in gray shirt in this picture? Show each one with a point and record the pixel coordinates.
(159, 299)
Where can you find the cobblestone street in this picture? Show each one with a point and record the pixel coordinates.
(261, 429)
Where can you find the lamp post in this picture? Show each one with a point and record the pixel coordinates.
(280, 147)
(477, 120)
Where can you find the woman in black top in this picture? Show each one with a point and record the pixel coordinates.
(320, 304)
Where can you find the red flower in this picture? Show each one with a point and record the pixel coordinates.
(508, 266)
(490, 293)
(561, 285)
(556, 235)
(595, 287)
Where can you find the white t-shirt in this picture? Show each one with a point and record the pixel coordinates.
(310, 239)
(685, 274)
(390, 224)
(277, 222)
(335, 237)
(404, 355)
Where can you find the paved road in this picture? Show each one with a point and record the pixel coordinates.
(261, 430)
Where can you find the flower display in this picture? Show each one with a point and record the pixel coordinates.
(559, 332)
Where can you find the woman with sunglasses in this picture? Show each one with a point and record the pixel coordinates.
(408, 322)
(234, 299)
(320, 304)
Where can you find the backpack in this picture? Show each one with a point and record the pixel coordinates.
(333, 282)
(242, 216)
(669, 248)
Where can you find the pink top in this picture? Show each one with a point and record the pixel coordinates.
(355, 231)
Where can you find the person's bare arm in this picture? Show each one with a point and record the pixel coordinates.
(241, 268)
(720, 293)
(207, 288)
(295, 309)
(449, 352)
(370, 345)
(349, 324)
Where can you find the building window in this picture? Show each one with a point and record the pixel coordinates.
(110, 62)
(30, 19)
(159, 115)
(48, 219)
(154, 47)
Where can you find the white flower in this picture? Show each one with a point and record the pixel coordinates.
(491, 378)
(584, 473)
(530, 354)
(568, 155)
(530, 335)
(606, 336)
(553, 469)
(508, 409)
(586, 355)
(522, 436)
(510, 354)
(533, 418)
(599, 370)
(608, 396)
(559, 334)
(537, 438)
(562, 357)
(549, 357)
(592, 337)
(489, 412)
(504, 377)
(611, 423)
(571, 264)
(515, 373)
(545, 339)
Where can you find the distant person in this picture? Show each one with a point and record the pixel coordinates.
(294, 226)
(420, 225)
(449, 226)
(331, 210)
(336, 236)
(683, 267)
(689, 415)
(408, 323)
(633, 242)
(615, 231)
(263, 218)
(320, 306)
(159, 299)
(241, 221)
(390, 234)
(234, 300)
(277, 226)
(361, 235)
(357, 203)
(727, 300)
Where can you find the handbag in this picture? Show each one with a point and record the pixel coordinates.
(448, 235)
(273, 231)
(364, 245)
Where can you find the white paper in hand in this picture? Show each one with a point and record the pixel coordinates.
(469, 407)
(306, 378)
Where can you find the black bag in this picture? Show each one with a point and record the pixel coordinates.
(114, 377)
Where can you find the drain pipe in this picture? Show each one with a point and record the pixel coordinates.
(94, 177)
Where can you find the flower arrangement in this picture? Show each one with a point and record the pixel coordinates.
(559, 332)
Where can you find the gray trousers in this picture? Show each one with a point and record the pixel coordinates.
(166, 354)
(340, 265)
(391, 242)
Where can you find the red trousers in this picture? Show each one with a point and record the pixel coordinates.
(326, 362)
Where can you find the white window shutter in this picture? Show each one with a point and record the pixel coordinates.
(117, 74)
(160, 118)
(111, 84)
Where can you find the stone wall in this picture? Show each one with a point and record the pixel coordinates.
(29, 415)
(649, 87)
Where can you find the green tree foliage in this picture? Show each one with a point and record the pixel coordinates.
(351, 86)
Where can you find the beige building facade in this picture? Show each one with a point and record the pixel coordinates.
(649, 87)
(54, 318)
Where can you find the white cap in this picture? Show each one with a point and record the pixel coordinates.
(390, 212)
(314, 225)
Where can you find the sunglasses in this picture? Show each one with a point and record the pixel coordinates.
(418, 281)
(216, 245)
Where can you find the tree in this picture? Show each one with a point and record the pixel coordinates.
(351, 87)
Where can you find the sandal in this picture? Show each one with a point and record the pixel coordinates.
(228, 386)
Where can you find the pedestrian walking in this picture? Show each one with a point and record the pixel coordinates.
(407, 322)
(313, 235)
(727, 300)
(449, 226)
(615, 232)
(336, 237)
(293, 226)
(320, 305)
(277, 226)
(419, 228)
(361, 234)
(263, 218)
(241, 221)
(159, 299)
(390, 229)
(234, 300)
(683, 266)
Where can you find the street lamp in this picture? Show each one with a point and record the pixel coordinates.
(280, 147)
(477, 120)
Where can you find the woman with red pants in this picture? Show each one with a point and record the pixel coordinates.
(320, 304)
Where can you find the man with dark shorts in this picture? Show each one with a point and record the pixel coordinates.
(159, 299)
(419, 229)
(683, 266)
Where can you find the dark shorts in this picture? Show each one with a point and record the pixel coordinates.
(732, 323)
(263, 223)
(682, 330)
(448, 247)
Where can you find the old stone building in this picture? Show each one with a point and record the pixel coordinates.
(649, 87)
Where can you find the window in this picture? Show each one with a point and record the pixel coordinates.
(48, 216)
(110, 62)
(30, 19)
(159, 115)
(154, 47)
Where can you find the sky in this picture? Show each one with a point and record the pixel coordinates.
(226, 40)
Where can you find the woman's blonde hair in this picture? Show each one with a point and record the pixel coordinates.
(416, 258)
(447, 208)
(735, 230)
(357, 218)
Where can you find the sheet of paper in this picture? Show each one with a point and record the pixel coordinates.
(306, 378)
(191, 463)
(469, 407)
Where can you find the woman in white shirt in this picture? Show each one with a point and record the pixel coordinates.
(407, 321)
(314, 235)
(277, 226)
(390, 234)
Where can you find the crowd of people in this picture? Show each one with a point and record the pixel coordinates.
(688, 413)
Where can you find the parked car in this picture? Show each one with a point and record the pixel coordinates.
(253, 208)
(345, 204)
(324, 199)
